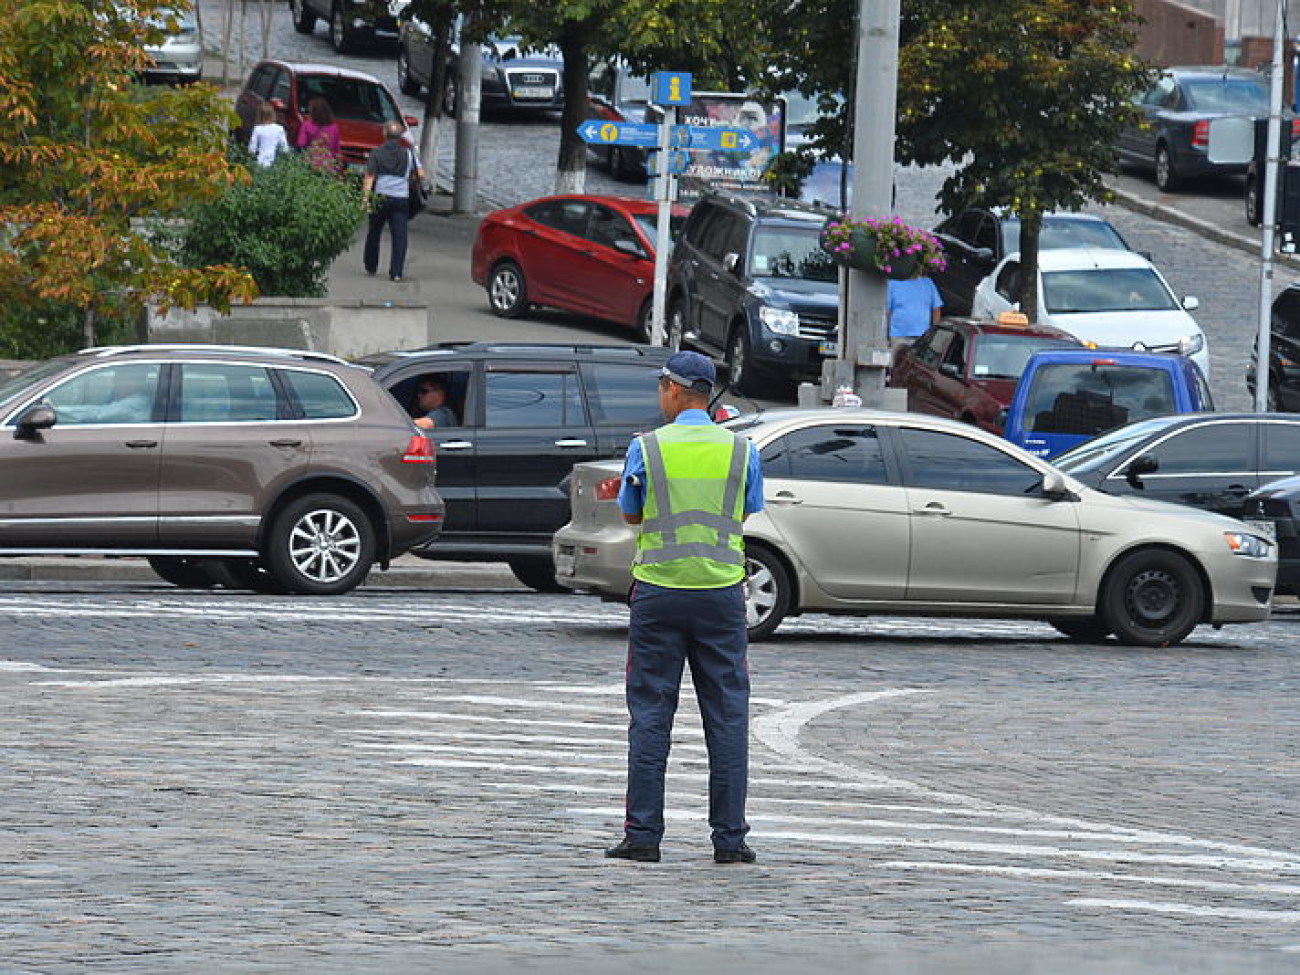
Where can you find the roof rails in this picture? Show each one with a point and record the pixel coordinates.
(104, 351)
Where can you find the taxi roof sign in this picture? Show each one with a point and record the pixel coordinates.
(1013, 318)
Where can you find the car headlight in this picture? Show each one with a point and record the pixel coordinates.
(1251, 546)
(780, 321)
(1191, 344)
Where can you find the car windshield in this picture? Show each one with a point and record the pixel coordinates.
(1000, 356)
(790, 252)
(1091, 397)
(1227, 95)
(355, 99)
(185, 18)
(1106, 289)
(649, 223)
(1101, 451)
(16, 385)
(1059, 233)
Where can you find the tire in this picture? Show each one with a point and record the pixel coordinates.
(184, 573)
(304, 21)
(1082, 629)
(405, 80)
(740, 362)
(320, 545)
(1254, 210)
(537, 572)
(1152, 598)
(675, 327)
(644, 322)
(768, 592)
(340, 36)
(252, 574)
(1167, 179)
(507, 290)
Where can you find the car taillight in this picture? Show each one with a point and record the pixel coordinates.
(418, 451)
(1201, 134)
(1295, 128)
(607, 490)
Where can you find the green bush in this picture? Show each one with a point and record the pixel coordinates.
(285, 226)
(41, 329)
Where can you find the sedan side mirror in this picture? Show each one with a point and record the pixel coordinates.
(1191, 303)
(39, 416)
(731, 261)
(629, 247)
(1054, 485)
(949, 369)
(1139, 465)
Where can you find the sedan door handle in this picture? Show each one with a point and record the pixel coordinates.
(141, 444)
(936, 508)
(784, 498)
(1236, 490)
(570, 443)
(287, 442)
(456, 445)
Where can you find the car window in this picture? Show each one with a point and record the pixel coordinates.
(569, 216)
(1203, 391)
(967, 226)
(840, 452)
(956, 354)
(1286, 313)
(1106, 289)
(1008, 282)
(357, 99)
(986, 234)
(533, 399)
(649, 223)
(1092, 397)
(607, 227)
(932, 353)
(621, 394)
(1220, 448)
(123, 393)
(1003, 356)
(700, 223)
(260, 83)
(1280, 450)
(954, 463)
(788, 252)
(320, 396)
(1065, 232)
(1163, 93)
(214, 392)
(717, 233)
(14, 386)
(1104, 450)
(280, 88)
(600, 81)
(1227, 95)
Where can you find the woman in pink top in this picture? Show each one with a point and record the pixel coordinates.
(319, 137)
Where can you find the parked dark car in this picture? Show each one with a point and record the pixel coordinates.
(268, 469)
(747, 281)
(1206, 460)
(527, 414)
(593, 255)
(617, 94)
(1175, 139)
(361, 103)
(1275, 508)
(352, 23)
(513, 81)
(1283, 353)
(975, 240)
(966, 369)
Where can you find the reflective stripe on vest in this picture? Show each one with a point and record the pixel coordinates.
(681, 505)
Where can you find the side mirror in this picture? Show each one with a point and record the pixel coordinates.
(1139, 465)
(1191, 303)
(1001, 418)
(731, 261)
(627, 246)
(411, 121)
(949, 369)
(1054, 485)
(983, 253)
(38, 416)
(278, 104)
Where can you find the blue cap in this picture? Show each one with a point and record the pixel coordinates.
(692, 370)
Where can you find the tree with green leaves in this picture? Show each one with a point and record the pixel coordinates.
(88, 157)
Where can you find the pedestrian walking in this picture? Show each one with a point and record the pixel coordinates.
(913, 306)
(268, 139)
(318, 137)
(388, 177)
(689, 485)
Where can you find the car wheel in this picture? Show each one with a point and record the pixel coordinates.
(320, 545)
(1152, 598)
(340, 37)
(183, 573)
(507, 291)
(768, 592)
(1084, 629)
(537, 572)
(645, 321)
(1166, 179)
(304, 21)
(740, 362)
(405, 81)
(252, 574)
(675, 338)
(1254, 213)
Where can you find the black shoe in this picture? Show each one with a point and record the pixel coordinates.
(627, 850)
(743, 854)
(370, 272)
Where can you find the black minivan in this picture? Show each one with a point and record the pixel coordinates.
(1283, 354)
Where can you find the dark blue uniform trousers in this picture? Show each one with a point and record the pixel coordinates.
(668, 628)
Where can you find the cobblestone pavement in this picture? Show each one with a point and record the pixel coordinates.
(389, 780)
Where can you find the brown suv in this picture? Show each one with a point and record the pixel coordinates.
(269, 469)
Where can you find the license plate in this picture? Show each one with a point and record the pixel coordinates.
(1266, 528)
(565, 564)
(525, 92)
(828, 347)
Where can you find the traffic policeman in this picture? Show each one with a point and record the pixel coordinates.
(689, 485)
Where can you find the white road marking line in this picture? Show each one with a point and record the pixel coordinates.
(520, 702)
(505, 736)
(1046, 873)
(1190, 910)
(493, 719)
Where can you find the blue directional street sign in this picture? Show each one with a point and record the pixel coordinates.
(674, 162)
(670, 88)
(619, 133)
(715, 138)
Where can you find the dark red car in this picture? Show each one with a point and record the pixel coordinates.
(967, 369)
(588, 254)
(361, 103)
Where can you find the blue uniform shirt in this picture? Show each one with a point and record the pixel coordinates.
(631, 497)
(910, 304)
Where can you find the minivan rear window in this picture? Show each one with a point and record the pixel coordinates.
(1088, 398)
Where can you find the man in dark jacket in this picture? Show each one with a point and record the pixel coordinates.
(388, 175)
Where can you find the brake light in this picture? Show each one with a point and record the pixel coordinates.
(1103, 362)
(1295, 128)
(418, 451)
(607, 490)
(1201, 135)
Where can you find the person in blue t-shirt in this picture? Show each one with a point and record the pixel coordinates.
(913, 306)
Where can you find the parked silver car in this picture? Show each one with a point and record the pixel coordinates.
(179, 57)
(892, 513)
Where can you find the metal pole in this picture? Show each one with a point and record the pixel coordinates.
(1232, 32)
(1271, 174)
(464, 194)
(665, 193)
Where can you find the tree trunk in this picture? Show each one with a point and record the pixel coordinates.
(88, 327)
(571, 167)
(430, 138)
(1031, 226)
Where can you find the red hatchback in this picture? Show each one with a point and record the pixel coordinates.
(967, 369)
(361, 103)
(588, 254)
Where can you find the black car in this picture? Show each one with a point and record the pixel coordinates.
(1277, 506)
(748, 282)
(1283, 354)
(617, 94)
(527, 414)
(1174, 142)
(352, 23)
(1205, 460)
(975, 240)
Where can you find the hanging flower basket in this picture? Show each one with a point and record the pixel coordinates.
(889, 247)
